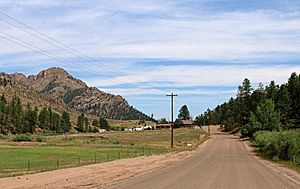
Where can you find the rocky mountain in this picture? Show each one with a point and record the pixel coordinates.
(59, 85)
(9, 88)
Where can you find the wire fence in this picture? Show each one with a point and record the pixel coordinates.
(27, 165)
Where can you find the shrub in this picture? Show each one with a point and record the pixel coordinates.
(116, 142)
(22, 137)
(3, 137)
(284, 145)
(40, 138)
(264, 118)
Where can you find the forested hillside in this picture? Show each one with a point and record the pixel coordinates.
(52, 101)
(16, 119)
(281, 102)
(269, 115)
(58, 84)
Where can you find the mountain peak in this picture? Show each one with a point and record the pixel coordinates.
(54, 72)
(75, 94)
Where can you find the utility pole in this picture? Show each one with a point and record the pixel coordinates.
(208, 125)
(172, 117)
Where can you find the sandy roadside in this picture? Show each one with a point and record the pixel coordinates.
(95, 175)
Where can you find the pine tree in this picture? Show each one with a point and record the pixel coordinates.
(199, 120)
(65, 122)
(184, 113)
(3, 115)
(80, 123)
(15, 115)
(44, 119)
(283, 104)
(55, 122)
(272, 91)
(244, 101)
(30, 119)
(87, 128)
(95, 123)
(104, 124)
(163, 121)
(258, 96)
(51, 120)
(294, 90)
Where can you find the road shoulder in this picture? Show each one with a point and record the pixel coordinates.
(290, 174)
(97, 175)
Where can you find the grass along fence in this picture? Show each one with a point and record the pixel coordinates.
(37, 159)
(81, 149)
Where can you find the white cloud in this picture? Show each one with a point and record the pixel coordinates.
(197, 75)
(134, 30)
(166, 30)
(142, 91)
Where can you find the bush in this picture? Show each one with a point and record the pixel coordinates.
(22, 137)
(116, 142)
(284, 145)
(264, 118)
(3, 137)
(40, 138)
(228, 124)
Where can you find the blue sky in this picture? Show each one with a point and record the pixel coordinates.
(143, 50)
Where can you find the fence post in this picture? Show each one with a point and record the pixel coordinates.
(57, 163)
(78, 158)
(28, 164)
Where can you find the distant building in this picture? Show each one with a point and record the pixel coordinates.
(177, 124)
(138, 129)
(128, 129)
(163, 126)
(187, 123)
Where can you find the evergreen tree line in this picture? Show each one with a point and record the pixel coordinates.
(273, 107)
(17, 119)
(84, 126)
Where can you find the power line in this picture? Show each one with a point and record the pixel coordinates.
(40, 51)
(29, 46)
(70, 50)
(55, 42)
(50, 55)
(37, 49)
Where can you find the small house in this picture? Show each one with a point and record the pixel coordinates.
(187, 123)
(163, 126)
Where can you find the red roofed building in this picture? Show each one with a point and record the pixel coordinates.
(187, 123)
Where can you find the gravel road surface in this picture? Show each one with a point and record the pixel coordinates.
(225, 162)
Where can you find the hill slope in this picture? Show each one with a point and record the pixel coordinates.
(75, 94)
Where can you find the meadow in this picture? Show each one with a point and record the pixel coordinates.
(62, 151)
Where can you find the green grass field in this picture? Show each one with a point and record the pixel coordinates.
(74, 150)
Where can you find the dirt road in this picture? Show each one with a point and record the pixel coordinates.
(221, 162)
(96, 175)
(225, 163)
